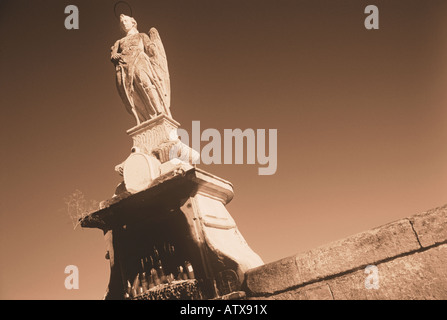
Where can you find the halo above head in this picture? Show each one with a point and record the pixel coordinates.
(117, 14)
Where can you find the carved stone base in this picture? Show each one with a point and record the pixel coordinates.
(156, 148)
(186, 205)
(159, 137)
(153, 133)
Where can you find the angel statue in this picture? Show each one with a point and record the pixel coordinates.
(142, 75)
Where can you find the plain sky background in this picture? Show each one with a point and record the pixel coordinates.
(361, 118)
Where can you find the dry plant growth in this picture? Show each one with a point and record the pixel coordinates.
(78, 207)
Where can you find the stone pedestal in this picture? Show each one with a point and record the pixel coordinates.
(164, 199)
(185, 205)
(153, 134)
(156, 150)
(158, 137)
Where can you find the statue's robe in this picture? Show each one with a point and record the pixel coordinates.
(140, 86)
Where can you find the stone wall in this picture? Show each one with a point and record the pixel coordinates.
(410, 256)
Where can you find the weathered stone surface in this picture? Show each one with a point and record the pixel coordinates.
(431, 226)
(272, 277)
(419, 275)
(422, 275)
(356, 251)
(140, 170)
(320, 291)
(337, 270)
(151, 134)
(338, 257)
(219, 230)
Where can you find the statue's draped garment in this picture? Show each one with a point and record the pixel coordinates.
(142, 76)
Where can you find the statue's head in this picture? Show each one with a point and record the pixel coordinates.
(127, 23)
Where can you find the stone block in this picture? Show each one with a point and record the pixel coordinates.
(272, 277)
(335, 258)
(319, 291)
(422, 275)
(356, 251)
(431, 226)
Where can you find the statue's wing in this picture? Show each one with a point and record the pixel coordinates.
(160, 63)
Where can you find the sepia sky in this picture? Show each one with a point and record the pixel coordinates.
(361, 118)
